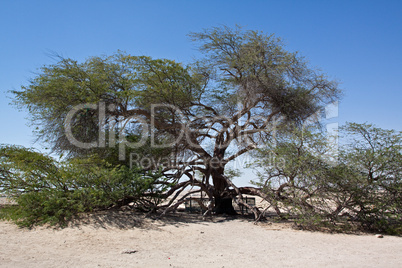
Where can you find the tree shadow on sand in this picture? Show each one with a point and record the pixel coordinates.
(132, 219)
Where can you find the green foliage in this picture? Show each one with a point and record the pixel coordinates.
(121, 80)
(363, 188)
(50, 192)
(373, 158)
(256, 67)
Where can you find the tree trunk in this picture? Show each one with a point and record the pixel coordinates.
(222, 198)
(223, 205)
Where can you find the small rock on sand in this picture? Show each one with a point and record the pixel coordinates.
(129, 251)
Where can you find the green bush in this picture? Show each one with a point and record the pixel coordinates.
(362, 190)
(48, 191)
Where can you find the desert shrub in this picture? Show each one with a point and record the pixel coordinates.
(361, 190)
(372, 160)
(293, 177)
(47, 191)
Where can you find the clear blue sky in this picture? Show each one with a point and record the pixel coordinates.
(357, 42)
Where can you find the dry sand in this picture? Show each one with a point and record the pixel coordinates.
(189, 241)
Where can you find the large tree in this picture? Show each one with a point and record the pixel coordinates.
(208, 113)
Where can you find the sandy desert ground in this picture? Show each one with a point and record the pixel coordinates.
(127, 239)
